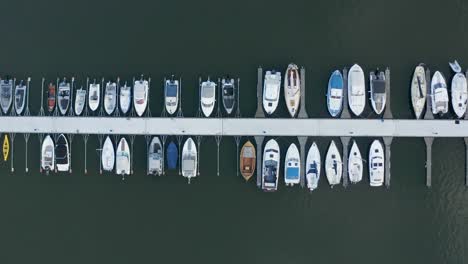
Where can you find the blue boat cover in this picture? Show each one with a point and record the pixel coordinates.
(336, 81)
(172, 155)
(292, 173)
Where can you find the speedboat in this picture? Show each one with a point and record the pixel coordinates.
(418, 90)
(189, 159)
(6, 94)
(6, 147)
(140, 96)
(94, 96)
(313, 165)
(377, 90)
(292, 89)
(62, 153)
(439, 94)
(48, 154)
(270, 166)
(172, 156)
(63, 96)
(459, 94)
(292, 166)
(125, 98)
(51, 97)
(333, 165)
(110, 97)
(171, 95)
(356, 90)
(376, 164)
(80, 101)
(122, 158)
(108, 155)
(207, 97)
(228, 87)
(247, 160)
(20, 97)
(271, 91)
(355, 167)
(335, 94)
(155, 157)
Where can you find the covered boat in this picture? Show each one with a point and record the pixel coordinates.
(122, 158)
(376, 163)
(20, 97)
(47, 154)
(418, 91)
(108, 155)
(335, 94)
(125, 98)
(271, 91)
(6, 94)
(51, 97)
(355, 168)
(6, 147)
(140, 96)
(110, 97)
(172, 156)
(247, 160)
(189, 159)
(377, 89)
(459, 94)
(292, 166)
(313, 167)
(94, 96)
(356, 90)
(439, 94)
(270, 166)
(171, 95)
(292, 89)
(333, 165)
(63, 97)
(62, 153)
(155, 157)
(229, 91)
(80, 101)
(207, 97)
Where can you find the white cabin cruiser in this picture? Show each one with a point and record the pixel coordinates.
(108, 155)
(110, 97)
(80, 101)
(125, 98)
(292, 166)
(270, 166)
(418, 91)
(171, 95)
(313, 167)
(63, 96)
(459, 94)
(6, 94)
(355, 167)
(439, 94)
(94, 96)
(62, 153)
(356, 90)
(376, 164)
(48, 154)
(333, 165)
(189, 159)
(20, 97)
(207, 97)
(122, 158)
(271, 91)
(155, 157)
(377, 89)
(292, 89)
(140, 96)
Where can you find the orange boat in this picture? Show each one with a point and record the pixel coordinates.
(51, 97)
(247, 160)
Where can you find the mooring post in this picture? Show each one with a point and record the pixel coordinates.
(26, 140)
(237, 140)
(259, 112)
(179, 105)
(428, 141)
(41, 110)
(388, 152)
(466, 162)
(259, 143)
(85, 139)
(302, 104)
(345, 143)
(12, 139)
(345, 112)
(302, 146)
(428, 114)
(388, 109)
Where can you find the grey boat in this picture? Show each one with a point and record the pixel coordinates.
(377, 89)
(228, 87)
(110, 97)
(20, 97)
(6, 94)
(63, 96)
(80, 101)
(155, 157)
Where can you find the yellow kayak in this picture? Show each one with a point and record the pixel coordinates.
(6, 147)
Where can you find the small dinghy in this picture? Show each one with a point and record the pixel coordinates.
(171, 95)
(110, 97)
(439, 94)
(140, 96)
(189, 159)
(172, 156)
(356, 90)
(6, 94)
(51, 97)
(376, 164)
(270, 166)
(313, 165)
(271, 91)
(333, 165)
(108, 155)
(292, 89)
(6, 147)
(122, 158)
(229, 90)
(80, 101)
(459, 94)
(207, 97)
(63, 97)
(94, 96)
(247, 160)
(47, 154)
(125, 98)
(335, 94)
(355, 168)
(20, 97)
(418, 91)
(377, 91)
(62, 153)
(292, 166)
(155, 157)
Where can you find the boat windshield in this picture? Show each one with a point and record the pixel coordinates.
(270, 171)
(228, 91)
(440, 85)
(248, 152)
(313, 168)
(208, 90)
(189, 164)
(171, 90)
(379, 86)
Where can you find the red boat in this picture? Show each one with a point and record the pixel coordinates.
(51, 97)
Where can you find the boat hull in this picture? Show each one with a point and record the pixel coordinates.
(313, 167)
(6, 147)
(459, 94)
(355, 167)
(207, 97)
(94, 96)
(439, 94)
(63, 98)
(48, 154)
(80, 101)
(171, 96)
(125, 99)
(189, 159)
(110, 98)
(335, 94)
(292, 166)
(378, 94)
(271, 91)
(418, 91)
(292, 89)
(155, 157)
(122, 158)
(20, 98)
(229, 95)
(6, 95)
(140, 96)
(333, 165)
(270, 166)
(172, 156)
(247, 160)
(376, 164)
(356, 90)
(108, 155)
(62, 154)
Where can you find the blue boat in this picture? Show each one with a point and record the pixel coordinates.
(172, 156)
(335, 94)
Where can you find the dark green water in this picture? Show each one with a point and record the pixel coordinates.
(100, 219)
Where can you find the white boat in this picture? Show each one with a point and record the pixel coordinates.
(171, 95)
(270, 166)
(122, 158)
(140, 96)
(189, 159)
(376, 164)
(108, 155)
(355, 167)
(459, 94)
(20, 97)
(418, 91)
(125, 98)
(62, 153)
(378, 95)
(207, 97)
(271, 91)
(313, 167)
(333, 165)
(155, 157)
(94, 96)
(63, 97)
(48, 154)
(292, 166)
(292, 89)
(228, 87)
(356, 90)
(110, 97)
(80, 101)
(439, 94)
(6, 94)
(335, 94)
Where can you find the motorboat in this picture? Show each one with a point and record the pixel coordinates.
(6, 94)
(51, 97)
(80, 101)
(333, 165)
(292, 166)
(313, 167)
(94, 96)
(207, 97)
(271, 91)
(356, 90)
(292, 89)
(459, 94)
(108, 155)
(125, 98)
(155, 157)
(229, 90)
(355, 167)
(62, 153)
(140, 96)
(376, 164)
(270, 166)
(172, 156)
(439, 94)
(122, 158)
(418, 91)
(189, 159)
(6, 147)
(335, 94)
(20, 97)
(247, 160)
(110, 97)
(48, 154)
(171, 95)
(378, 95)
(63, 97)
